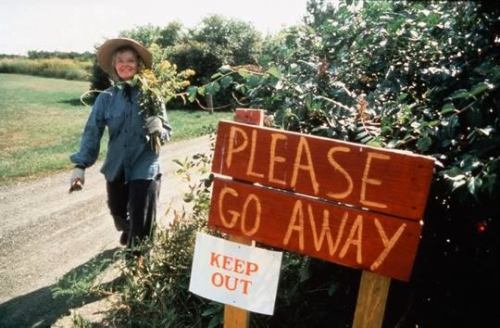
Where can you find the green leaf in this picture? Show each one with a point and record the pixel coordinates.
(473, 184)
(188, 197)
(457, 184)
(402, 96)
(253, 81)
(214, 322)
(274, 71)
(210, 311)
(374, 143)
(178, 162)
(424, 143)
(225, 69)
(461, 94)
(216, 75)
(226, 81)
(480, 88)
(212, 88)
(486, 131)
(243, 72)
(298, 88)
(366, 139)
(457, 177)
(448, 107)
(192, 92)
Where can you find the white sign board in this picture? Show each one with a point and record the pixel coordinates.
(235, 274)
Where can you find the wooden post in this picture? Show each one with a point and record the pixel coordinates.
(235, 317)
(210, 103)
(372, 297)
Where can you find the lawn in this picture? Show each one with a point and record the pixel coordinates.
(41, 121)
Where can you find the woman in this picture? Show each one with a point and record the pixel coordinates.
(131, 167)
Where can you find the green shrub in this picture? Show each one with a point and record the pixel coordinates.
(418, 76)
(156, 294)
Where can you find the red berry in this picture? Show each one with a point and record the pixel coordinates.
(481, 227)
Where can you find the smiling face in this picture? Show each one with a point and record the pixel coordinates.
(126, 64)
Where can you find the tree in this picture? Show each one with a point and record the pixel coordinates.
(145, 34)
(233, 41)
(171, 34)
(196, 55)
(216, 41)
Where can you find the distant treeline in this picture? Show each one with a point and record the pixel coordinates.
(36, 54)
(10, 56)
(82, 56)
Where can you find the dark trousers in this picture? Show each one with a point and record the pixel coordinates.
(133, 206)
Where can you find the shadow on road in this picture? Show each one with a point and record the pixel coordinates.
(41, 309)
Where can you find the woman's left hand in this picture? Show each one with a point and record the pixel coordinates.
(77, 179)
(155, 129)
(154, 124)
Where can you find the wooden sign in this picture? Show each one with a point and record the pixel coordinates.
(339, 234)
(346, 203)
(385, 181)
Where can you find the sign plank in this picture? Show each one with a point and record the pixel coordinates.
(386, 181)
(344, 235)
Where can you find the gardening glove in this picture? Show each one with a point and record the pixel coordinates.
(154, 124)
(77, 179)
(156, 131)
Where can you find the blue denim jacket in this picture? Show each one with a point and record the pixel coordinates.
(128, 149)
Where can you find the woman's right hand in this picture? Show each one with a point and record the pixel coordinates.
(77, 179)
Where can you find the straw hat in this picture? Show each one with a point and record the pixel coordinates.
(106, 50)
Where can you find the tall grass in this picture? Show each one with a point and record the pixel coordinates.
(41, 121)
(53, 67)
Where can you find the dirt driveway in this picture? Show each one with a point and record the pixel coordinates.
(46, 232)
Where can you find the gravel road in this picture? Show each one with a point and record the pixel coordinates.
(46, 232)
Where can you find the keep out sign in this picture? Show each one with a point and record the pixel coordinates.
(235, 274)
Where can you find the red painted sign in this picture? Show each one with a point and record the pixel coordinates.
(387, 181)
(346, 203)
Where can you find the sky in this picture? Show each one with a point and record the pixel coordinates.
(75, 25)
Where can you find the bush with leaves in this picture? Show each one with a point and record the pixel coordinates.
(418, 76)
